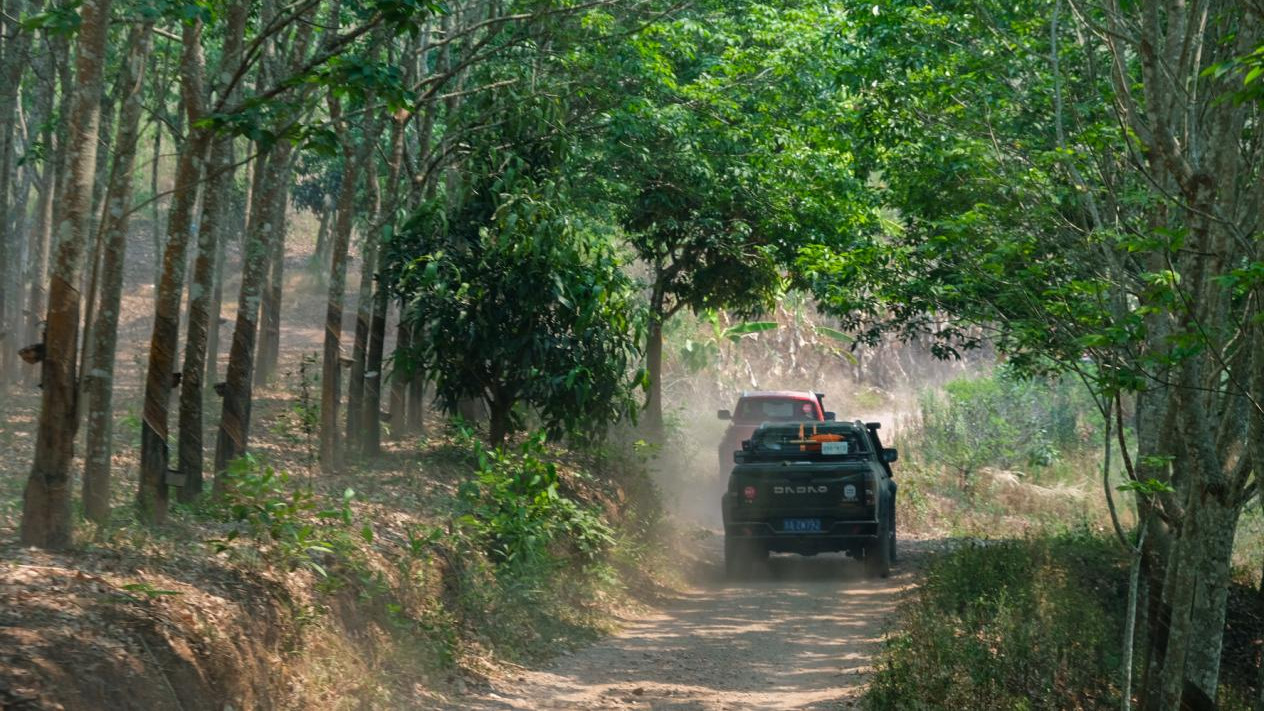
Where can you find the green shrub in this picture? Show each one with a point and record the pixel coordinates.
(513, 506)
(1031, 624)
(293, 525)
(525, 561)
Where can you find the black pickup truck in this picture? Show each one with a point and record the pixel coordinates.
(809, 488)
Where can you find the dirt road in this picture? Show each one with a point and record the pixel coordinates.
(801, 635)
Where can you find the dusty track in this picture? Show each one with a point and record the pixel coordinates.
(801, 635)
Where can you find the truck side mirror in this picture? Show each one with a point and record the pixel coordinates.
(724, 415)
(829, 416)
(890, 454)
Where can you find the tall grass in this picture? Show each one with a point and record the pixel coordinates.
(1029, 612)
(1028, 624)
(996, 455)
(1006, 422)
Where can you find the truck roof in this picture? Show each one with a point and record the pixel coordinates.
(795, 394)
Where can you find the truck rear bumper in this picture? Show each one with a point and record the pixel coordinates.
(851, 537)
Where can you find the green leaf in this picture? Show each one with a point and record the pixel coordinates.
(834, 334)
(735, 332)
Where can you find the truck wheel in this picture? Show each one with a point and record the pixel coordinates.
(878, 553)
(736, 559)
(891, 526)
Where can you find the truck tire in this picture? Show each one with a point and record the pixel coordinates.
(878, 553)
(894, 554)
(737, 561)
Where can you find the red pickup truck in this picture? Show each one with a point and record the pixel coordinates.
(756, 407)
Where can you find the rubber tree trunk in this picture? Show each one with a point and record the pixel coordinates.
(331, 375)
(357, 415)
(109, 109)
(1255, 436)
(97, 235)
(1211, 564)
(201, 290)
(234, 426)
(399, 384)
(373, 375)
(153, 491)
(156, 230)
(42, 231)
(320, 259)
(12, 67)
(377, 323)
(46, 520)
(416, 403)
(100, 376)
(270, 310)
(1259, 608)
(216, 307)
(203, 308)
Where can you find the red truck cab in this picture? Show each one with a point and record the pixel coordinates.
(759, 406)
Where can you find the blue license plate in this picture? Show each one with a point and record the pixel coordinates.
(801, 525)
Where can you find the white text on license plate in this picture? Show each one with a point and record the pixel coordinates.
(801, 525)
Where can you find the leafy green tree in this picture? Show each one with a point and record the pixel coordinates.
(528, 311)
(1018, 206)
(722, 157)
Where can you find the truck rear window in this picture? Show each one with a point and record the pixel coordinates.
(774, 410)
(825, 439)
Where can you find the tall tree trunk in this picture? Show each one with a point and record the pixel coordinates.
(100, 363)
(377, 325)
(234, 426)
(1211, 563)
(373, 374)
(42, 231)
(270, 311)
(399, 383)
(360, 342)
(320, 259)
(356, 416)
(97, 235)
(41, 238)
(268, 194)
(216, 307)
(46, 520)
(12, 66)
(192, 389)
(331, 380)
(154, 457)
(1255, 439)
(1259, 610)
(156, 230)
(202, 319)
(416, 403)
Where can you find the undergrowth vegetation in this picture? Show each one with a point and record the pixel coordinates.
(1027, 609)
(996, 456)
(1023, 624)
(436, 566)
(1027, 613)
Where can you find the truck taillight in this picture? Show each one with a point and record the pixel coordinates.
(749, 492)
(870, 491)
